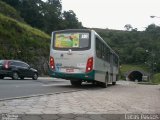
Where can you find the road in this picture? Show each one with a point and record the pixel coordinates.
(17, 88)
(92, 103)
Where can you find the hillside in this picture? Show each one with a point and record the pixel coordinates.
(20, 41)
(9, 11)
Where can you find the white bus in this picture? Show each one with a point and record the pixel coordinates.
(81, 55)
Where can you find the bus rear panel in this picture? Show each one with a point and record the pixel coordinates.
(71, 56)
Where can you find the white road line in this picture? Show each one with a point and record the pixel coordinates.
(54, 85)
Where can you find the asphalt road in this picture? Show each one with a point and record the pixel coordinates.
(17, 88)
(124, 98)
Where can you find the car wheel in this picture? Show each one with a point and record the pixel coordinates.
(15, 76)
(22, 78)
(113, 83)
(1, 77)
(35, 76)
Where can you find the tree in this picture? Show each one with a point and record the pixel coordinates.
(13, 3)
(52, 15)
(70, 20)
(31, 12)
(46, 16)
(128, 27)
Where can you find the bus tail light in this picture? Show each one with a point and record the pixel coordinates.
(89, 65)
(52, 65)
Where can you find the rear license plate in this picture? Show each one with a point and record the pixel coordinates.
(69, 70)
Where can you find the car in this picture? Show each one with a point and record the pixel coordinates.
(17, 69)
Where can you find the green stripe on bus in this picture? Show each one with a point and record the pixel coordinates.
(81, 76)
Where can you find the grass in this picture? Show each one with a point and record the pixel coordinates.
(147, 83)
(156, 78)
(9, 11)
(126, 68)
(20, 27)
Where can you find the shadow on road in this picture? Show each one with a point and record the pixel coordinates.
(85, 86)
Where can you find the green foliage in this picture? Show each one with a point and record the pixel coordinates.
(132, 46)
(156, 78)
(128, 67)
(128, 27)
(46, 16)
(22, 42)
(9, 11)
(71, 20)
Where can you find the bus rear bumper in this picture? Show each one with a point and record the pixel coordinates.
(76, 76)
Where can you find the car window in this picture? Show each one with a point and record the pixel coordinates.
(19, 64)
(24, 65)
(1, 62)
(15, 63)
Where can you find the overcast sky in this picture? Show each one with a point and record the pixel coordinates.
(114, 14)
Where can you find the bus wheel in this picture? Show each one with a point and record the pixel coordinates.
(76, 82)
(105, 84)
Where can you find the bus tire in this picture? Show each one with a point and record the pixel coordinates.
(76, 82)
(105, 84)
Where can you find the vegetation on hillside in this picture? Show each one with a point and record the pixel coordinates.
(128, 67)
(46, 16)
(156, 78)
(9, 11)
(136, 47)
(22, 42)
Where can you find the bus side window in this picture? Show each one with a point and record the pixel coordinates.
(102, 51)
(108, 54)
(98, 48)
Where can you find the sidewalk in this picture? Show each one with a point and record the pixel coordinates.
(119, 99)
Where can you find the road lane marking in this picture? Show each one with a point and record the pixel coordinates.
(47, 85)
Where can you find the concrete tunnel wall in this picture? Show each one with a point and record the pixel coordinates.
(136, 75)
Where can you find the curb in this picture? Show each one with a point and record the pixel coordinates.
(39, 95)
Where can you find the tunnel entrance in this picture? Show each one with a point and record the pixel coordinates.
(135, 75)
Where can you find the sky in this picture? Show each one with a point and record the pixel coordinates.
(114, 14)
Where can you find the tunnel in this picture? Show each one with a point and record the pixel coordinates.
(135, 75)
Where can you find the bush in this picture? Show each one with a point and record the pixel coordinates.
(156, 78)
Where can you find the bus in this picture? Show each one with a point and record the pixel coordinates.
(81, 55)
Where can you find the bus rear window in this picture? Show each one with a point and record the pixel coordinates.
(76, 40)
